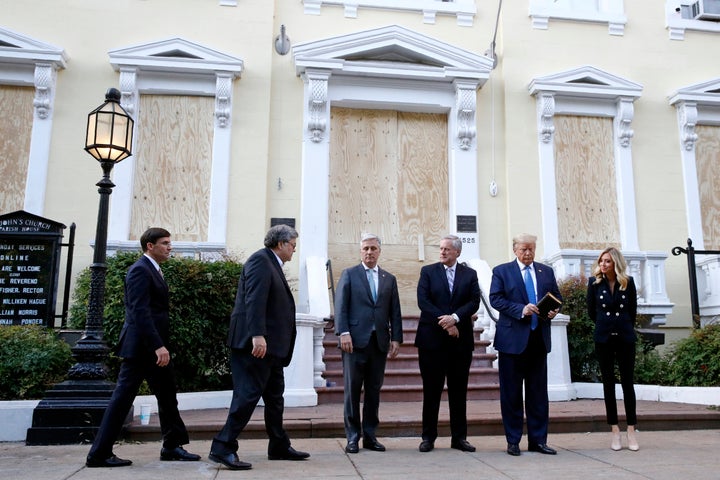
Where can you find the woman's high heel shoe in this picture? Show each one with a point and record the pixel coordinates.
(615, 442)
(632, 440)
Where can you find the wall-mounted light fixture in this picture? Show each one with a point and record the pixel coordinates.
(282, 42)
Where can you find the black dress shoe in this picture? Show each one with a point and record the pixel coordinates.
(289, 454)
(111, 461)
(373, 444)
(352, 447)
(178, 454)
(513, 449)
(230, 460)
(462, 445)
(426, 446)
(541, 448)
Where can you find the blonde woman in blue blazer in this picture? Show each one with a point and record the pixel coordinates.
(612, 304)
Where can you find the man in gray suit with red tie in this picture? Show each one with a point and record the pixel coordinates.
(369, 323)
(448, 294)
(144, 347)
(522, 339)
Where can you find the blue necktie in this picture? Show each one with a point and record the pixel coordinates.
(371, 281)
(530, 289)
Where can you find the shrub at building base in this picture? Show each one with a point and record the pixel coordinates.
(202, 295)
(32, 358)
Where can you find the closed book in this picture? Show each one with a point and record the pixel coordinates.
(547, 303)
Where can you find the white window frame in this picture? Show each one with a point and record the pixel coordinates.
(463, 10)
(611, 12)
(677, 25)
(698, 104)
(433, 77)
(586, 91)
(30, 62)
(186, 69)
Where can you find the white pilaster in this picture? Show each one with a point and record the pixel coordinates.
(624, 174)
(560, 387)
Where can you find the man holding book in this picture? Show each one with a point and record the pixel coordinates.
(522, 339)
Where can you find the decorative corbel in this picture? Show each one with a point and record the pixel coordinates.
(44, 79)
(223, 98)
(128, 89)
(466, 103)
(626, 112)
(687, 117)
(317, 85)
(546, 112)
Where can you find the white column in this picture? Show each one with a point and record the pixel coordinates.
(299, 375)
(37, 169)
(313, 227)
(624, 174)
(462, 164)
(560, 387)
(546, 150)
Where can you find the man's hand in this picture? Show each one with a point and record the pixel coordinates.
(259, 347)
(529, 309)
(552, 313)
(453, 332)
(394, 349)
(163, 357)
(346, 344)
(446, 322)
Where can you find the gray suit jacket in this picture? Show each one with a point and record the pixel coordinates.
(355, 311)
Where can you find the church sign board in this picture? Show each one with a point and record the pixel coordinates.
(29, 264)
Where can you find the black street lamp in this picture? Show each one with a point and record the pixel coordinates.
(72, 410)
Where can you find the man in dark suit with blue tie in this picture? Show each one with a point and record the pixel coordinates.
(448, 294)
(261, 340)
(144, 347)
(522, 339)
(369, 323)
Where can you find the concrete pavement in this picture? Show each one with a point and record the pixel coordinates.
(670, 455)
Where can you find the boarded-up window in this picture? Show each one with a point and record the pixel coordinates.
(707, 158)
(172, 166)
(585, 181)
(16, 118)
(388, 176)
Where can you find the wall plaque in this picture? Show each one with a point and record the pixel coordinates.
(467, 224)
(29, 264)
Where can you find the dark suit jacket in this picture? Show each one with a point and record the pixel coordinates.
(355, 311)
(508, 297)
(147, 323)
(264, 305)
(612, 312)
(435, 299)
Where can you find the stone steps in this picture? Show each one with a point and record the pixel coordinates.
(402, 373)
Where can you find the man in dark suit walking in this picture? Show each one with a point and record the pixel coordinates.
(369, 323)
(143, 345)
(522, 339)
(261, 338)
(448, 294)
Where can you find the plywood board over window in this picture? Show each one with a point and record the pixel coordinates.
(585, 181)
(388, 176)
(173, 166)
(16, 118)
(707, 155)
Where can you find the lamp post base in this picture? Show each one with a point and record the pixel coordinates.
(71, 412)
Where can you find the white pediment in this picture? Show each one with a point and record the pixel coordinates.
(707, 93)
(585, 81)
(17, 48)
(391, 51)
(176, 55)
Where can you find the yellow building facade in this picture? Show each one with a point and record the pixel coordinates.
(587, 123)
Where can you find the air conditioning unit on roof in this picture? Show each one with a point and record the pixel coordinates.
(702, 10)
